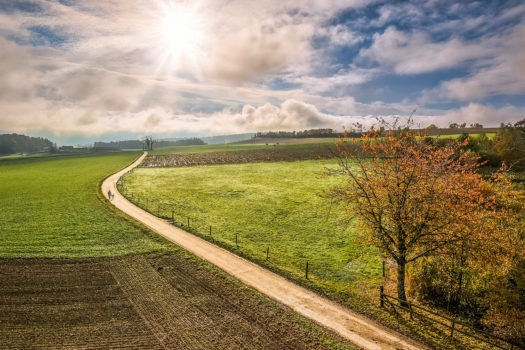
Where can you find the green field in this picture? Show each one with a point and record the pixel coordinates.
(51, 207)
(273, 208)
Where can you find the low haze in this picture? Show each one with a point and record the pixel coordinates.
(99, 70)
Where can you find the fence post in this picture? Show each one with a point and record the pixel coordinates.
(188, 222)
(306, 273)
(452, 328)
(173, 217)
(210, 232)
(384, 272)
(381, 296)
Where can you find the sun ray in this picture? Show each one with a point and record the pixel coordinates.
(180, 33)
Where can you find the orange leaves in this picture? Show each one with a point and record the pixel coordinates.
(416, 198)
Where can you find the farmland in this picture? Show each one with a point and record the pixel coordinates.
(75, 273)
(51, 208)
(271, 213)
(142, 301)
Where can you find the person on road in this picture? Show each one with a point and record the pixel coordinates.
(110, 195)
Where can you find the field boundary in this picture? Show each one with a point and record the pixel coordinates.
(356, 328)
(452, 325)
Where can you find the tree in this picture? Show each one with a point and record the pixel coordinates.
(509, 143)
(148, 143)
(412, 198)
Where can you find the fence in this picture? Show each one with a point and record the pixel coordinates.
(451, 324)
(203, 229)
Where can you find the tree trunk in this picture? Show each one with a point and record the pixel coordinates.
(401, 293)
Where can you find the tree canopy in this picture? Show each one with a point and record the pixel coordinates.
(413, 197)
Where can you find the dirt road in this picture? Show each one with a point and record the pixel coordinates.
(359, 330)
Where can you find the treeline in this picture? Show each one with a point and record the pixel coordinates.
(302, 134)
(483, 278)
(507, 146)
(448, 215)
(194, 141)
(14, 143)
(140, 144)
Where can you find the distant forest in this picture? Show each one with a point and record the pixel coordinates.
(138, 144)
(14, 143)
(301, 134)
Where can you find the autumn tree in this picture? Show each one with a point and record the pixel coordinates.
(412, 198)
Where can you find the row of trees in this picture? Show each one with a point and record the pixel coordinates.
(14, 143)
(299, 134)
(147, 143)
(432, 205)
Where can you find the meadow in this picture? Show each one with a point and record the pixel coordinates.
(51, 207)
(272, 213)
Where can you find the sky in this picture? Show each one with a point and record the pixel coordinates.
(87, 70)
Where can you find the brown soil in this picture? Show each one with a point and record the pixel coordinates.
(270, 154)
(154, 302)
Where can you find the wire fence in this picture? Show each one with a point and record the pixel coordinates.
(452, 325)
(165, 210)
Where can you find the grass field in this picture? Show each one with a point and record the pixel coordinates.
(261, 208)
(51, 208)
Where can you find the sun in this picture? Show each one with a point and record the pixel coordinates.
(181, 33)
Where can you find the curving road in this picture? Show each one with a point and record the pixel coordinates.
(357, 329)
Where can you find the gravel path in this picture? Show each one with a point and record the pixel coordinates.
(356, 328)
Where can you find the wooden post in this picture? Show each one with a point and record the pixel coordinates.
(267, 253)
(188, 222)
(384, 272)
(306, 274)
(210, 232)
(381, 296)
(173, 216)
(452, 328)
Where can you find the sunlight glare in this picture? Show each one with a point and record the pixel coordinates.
(181, 33)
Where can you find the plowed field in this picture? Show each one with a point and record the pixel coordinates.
(170, 301)
(269, 154)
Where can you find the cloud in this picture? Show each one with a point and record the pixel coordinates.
(258, 50)
(416, 53)
(501, 75)
(97, 68)
(292, 115)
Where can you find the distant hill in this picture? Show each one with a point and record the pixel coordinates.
(222, 139)
(14, 143)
